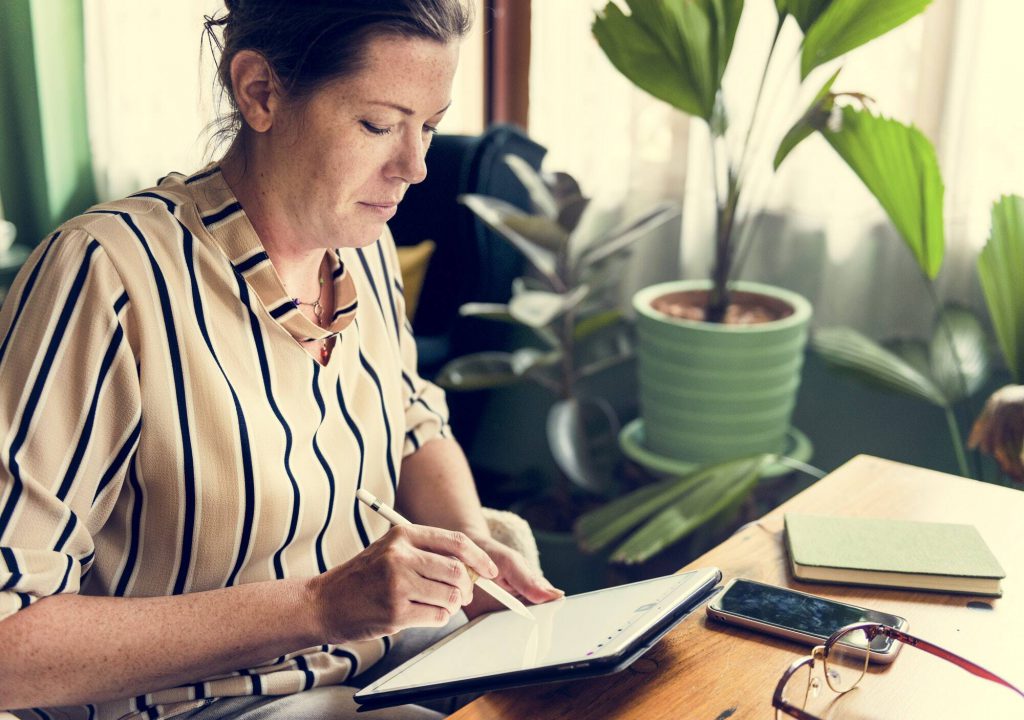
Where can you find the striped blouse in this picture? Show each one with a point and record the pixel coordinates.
(164, 432)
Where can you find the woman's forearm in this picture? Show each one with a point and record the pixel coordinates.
(436, 488)
(73, 649)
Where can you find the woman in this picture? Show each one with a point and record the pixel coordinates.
(194, 381)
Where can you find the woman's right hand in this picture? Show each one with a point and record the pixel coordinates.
(414, 576)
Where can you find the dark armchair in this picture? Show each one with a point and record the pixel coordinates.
(471, 263)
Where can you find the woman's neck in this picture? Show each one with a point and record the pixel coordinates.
(297, 264)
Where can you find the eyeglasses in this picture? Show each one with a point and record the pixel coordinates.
(844, 657)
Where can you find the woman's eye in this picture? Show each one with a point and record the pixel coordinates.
(430, 129)
(375, 129)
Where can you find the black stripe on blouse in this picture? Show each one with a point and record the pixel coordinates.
(26, 292)
(127, 449)
(85, 436)
(364, 537)
(138, 501)
(318, 397)
(188, 465)
(9, 559)
(249, 482)
(384, 414)
(387, 286)
(40, 382)
(261, 353)
(222, 214)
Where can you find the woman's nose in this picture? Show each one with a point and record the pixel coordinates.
(410, 162)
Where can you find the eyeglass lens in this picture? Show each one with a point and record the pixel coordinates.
(847, 661)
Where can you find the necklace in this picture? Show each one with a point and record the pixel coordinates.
(318, 308)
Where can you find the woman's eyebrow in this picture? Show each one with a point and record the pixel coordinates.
(404, 110)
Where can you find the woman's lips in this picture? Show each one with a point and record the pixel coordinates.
(383, 210)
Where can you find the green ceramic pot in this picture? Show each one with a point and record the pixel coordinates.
(711, 392)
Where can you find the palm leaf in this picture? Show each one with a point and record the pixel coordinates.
(676, 51)
(805, 12)
(599, 528)
(960, 368)
(847, 350)
(898, 165)
(1001, 268)
(847, 24)
(720, 490)
(814, 119)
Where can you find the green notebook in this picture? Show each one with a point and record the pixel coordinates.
(892, 553)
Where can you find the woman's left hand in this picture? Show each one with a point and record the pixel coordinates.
(514, 575)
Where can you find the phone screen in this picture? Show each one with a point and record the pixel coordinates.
(801, 612)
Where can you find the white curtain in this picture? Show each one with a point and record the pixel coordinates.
(955, 72)
(620, 144)
(151, 90)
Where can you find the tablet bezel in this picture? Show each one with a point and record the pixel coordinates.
(704, 585)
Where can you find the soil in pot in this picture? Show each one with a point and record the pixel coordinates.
(745, 308)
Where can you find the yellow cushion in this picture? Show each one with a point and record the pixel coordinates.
(413, 260)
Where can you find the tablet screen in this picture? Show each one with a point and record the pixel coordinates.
(574, 628)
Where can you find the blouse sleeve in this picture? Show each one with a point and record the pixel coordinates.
(426, 411)
(70, 415)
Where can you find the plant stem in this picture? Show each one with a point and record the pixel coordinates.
(725, 213)
(954, 432)
(947, 331)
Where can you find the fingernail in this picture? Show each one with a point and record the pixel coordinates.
(494, 570)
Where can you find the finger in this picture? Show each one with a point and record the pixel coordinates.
(448, 570)
(426, 591)
(456, 544)
(519, 579)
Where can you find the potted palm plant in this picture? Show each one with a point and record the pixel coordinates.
(719, 360)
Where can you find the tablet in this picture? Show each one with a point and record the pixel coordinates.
(594, 633)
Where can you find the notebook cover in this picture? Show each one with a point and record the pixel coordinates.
(890, 546)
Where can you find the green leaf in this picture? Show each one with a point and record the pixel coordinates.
(847, 350)
(805, 12)
(537, 308)
(589, 325)
(960, 368)
(1001, 269)
(913, 352)
(478, 371)
(847, 24)
(719, 490)
(540, 194)
(814, 119)
(676, 51)
(637, 229)
(496, 214)
(898, 165)
(599, 528)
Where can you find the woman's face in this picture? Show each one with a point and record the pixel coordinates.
(343, 159)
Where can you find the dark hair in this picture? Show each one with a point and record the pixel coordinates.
(309, 43)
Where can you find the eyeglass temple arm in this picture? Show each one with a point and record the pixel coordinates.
(964, 663)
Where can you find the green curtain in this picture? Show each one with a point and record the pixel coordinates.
(45, 167)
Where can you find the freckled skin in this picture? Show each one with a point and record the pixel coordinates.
(319, 167)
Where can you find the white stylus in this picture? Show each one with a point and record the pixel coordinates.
(488, 586)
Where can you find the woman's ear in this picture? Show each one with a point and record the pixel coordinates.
(255, 89)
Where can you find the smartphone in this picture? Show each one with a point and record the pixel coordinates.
(798, 616)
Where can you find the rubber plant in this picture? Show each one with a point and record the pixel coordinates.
(568, 307)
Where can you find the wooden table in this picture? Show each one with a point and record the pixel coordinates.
(703, 669)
